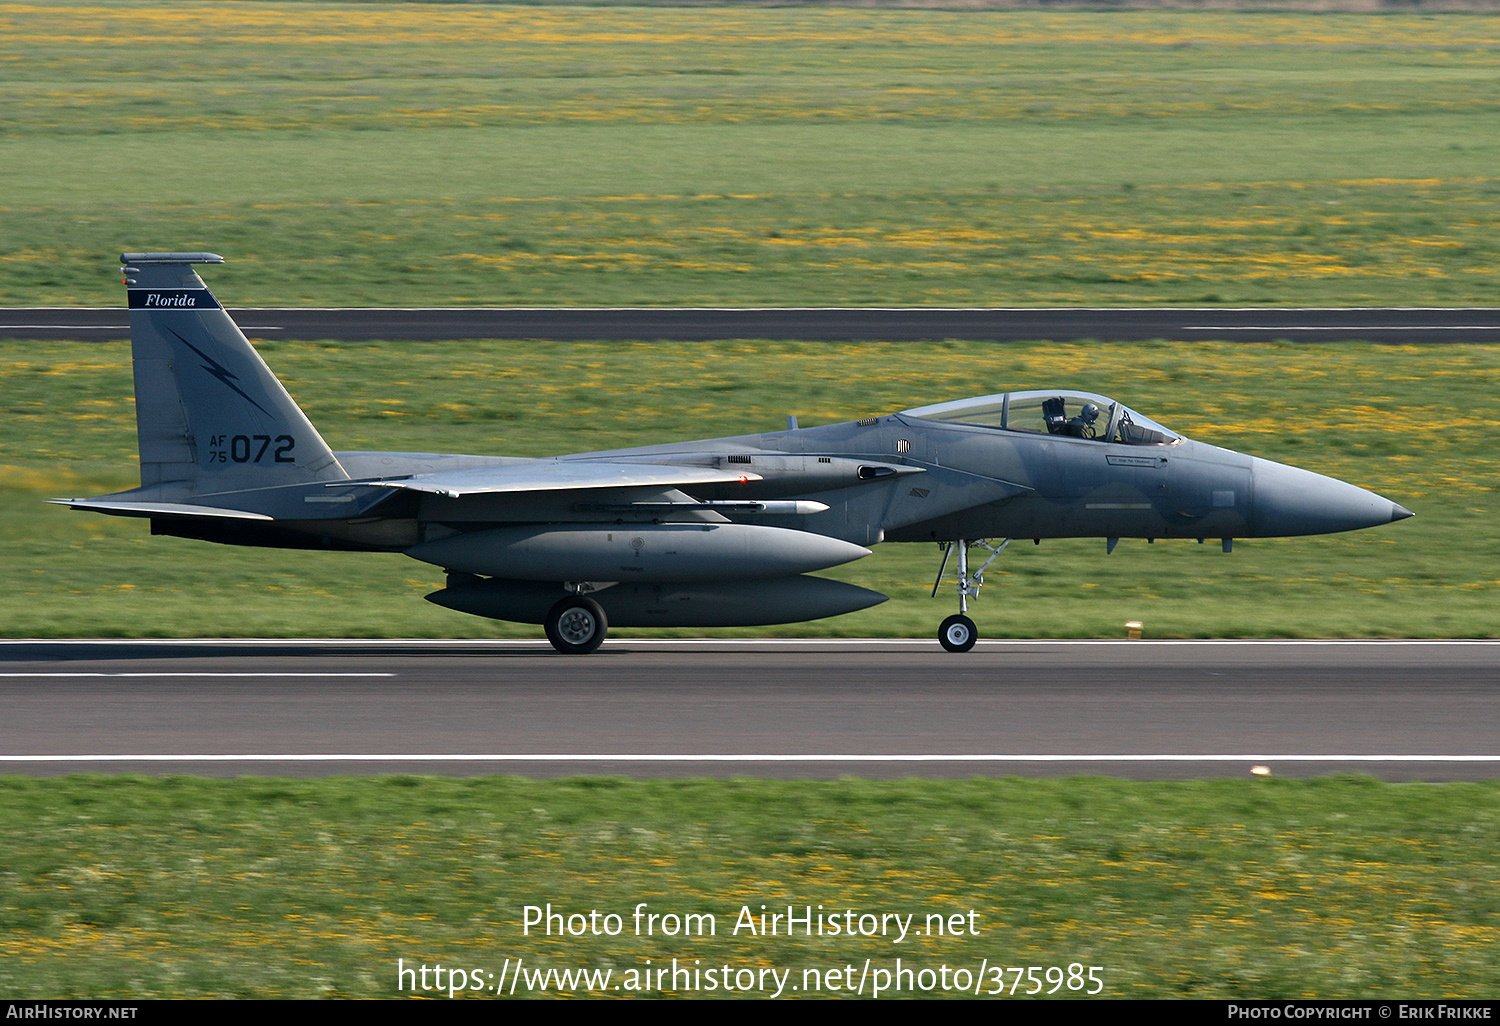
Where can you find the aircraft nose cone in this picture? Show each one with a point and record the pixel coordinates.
(1291, 501)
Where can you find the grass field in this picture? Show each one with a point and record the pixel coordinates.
(409, 154)
(454, 154)
(1412, 423)
(1338, 888)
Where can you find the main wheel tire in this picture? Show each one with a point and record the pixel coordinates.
(958, 634)
(576, 625)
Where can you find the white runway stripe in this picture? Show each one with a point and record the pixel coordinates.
(438, 644)
(206, 673)
(628, 757)
(1341, 327)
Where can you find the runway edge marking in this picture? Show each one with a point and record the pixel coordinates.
(658, 758)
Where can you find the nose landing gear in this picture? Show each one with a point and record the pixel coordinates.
(958, 633)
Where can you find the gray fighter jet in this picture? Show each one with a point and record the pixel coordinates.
(714, 533)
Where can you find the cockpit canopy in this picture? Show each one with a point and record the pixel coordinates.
(1071, 414)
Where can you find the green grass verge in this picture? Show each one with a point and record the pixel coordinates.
(474, 154)
(1337, 888)
(362, 154)
(1412, 423)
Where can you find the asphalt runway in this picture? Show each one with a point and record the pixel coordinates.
(1144, 709)
(1395, 326)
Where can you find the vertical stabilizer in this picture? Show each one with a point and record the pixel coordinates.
(210, 414)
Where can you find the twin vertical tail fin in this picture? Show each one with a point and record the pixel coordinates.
(211, 416)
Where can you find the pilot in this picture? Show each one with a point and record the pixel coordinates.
(1082, 426)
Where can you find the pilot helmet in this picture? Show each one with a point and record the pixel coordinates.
(1090, 412)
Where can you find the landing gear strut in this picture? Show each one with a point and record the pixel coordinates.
(576, 625)
(958, 633)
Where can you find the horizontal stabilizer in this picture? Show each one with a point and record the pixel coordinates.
(557, 475)
(126, 508)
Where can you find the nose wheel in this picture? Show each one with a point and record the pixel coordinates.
(958, 633)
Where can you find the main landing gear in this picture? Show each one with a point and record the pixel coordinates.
(958, 633)
(576, 625)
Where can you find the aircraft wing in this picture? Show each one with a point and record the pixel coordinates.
(562, 475)
(133, 508)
